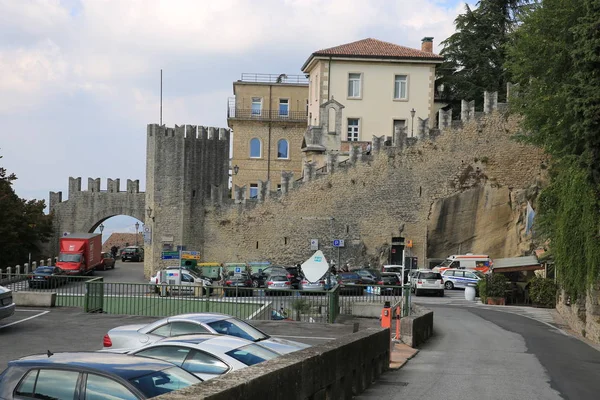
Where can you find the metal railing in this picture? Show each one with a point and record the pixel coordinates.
(274, 78)
(266, 115)
(94, 295)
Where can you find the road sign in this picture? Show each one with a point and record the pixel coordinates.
(338, 243)
(238, 270)
(314, 244)
(170, 255)
(190, 255)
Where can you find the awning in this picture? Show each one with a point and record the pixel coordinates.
(516, 264)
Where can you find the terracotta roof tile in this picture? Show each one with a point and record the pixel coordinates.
(120, 239)
(373, 48)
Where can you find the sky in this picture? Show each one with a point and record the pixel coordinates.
(80, 79)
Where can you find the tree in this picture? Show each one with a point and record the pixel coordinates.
(555, 58)
(23, 224)
(475, 54)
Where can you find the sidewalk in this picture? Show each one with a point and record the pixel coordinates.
(400, 355)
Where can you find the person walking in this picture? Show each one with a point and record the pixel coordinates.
(368, 151)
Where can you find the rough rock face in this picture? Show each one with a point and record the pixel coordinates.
(485, 219)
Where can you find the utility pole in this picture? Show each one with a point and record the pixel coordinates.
(161, 96)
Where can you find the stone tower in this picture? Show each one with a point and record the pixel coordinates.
(187, 168)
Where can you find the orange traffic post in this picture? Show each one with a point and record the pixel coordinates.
(386, 315)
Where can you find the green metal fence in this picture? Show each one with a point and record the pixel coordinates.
(94, 295)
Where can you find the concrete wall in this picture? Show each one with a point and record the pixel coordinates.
(34, 299)
(376, 108)
(389, 195)
(416, 329)
(336, 370)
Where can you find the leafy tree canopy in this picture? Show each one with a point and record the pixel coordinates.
(23, 224)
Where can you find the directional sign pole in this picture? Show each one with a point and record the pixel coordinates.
(180, 276)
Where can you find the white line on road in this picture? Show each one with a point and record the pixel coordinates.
(25, 319)
(304, 337)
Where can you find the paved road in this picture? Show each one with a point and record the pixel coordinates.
(478, 353)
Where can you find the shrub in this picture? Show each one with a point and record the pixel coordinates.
(494, 285)
(482, 287)
(542, 291)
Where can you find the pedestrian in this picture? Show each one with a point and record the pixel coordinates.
(368, 152)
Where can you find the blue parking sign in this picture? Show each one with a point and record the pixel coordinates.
(238, 270)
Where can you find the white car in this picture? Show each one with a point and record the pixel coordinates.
(7, 305)
(186, 281)
(207, 355)
(427, 281)
(460, 278)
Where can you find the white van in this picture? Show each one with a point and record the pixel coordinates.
(181, 279)
(478, 262)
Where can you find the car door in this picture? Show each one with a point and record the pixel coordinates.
(98, 387)
(459, 279)
(471, 278)
(204, 366)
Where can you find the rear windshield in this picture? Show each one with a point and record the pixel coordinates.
(45, 270)
(278, 278)
(165, 381)
(252, 354)
(349, 276)
(430, 275)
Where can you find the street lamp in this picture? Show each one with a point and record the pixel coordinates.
(101, 228)
(236, 169)
(137, 226)
(412, 129)
(149, 212)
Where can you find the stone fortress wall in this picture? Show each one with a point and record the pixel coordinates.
(462, 188)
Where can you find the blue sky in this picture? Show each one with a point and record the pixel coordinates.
(79, 79)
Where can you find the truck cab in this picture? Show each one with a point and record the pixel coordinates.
(80, 254)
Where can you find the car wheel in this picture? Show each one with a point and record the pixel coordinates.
(449, 285)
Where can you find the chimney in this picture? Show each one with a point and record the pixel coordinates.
(427, 44)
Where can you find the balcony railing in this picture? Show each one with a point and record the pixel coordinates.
(266, 115)
(274, 78)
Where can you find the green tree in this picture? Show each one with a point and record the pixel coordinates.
(474, 56)
(554, 56)
(23, 224)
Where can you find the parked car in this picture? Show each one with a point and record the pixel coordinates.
(398, 270)
(390, 284)
(278, 282)
(107, 262)
(414, 273)
(7, 305)
(323, 284)
(369, 276)
(47, 277)
(91, 376)
(207, 355)
(238, 285)
(259, 278)
(135, 336)
(132, 253)
(427, 281)
(295, 275)
(459, 278)
(186, 282)
(350, 283)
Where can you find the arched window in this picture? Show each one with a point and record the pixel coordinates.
(282, 149)
(255, 148)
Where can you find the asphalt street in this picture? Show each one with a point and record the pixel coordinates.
(484, 354)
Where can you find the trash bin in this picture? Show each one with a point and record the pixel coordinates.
(470, 292)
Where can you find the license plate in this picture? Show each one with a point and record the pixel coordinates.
(430, 280)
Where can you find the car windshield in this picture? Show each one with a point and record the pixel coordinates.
(165, 381)
(252, 354)
(66, 257)
(278, 278)
(235, 327)
(430, 275)
(445, 264)
(349, 276)
(479, 274)
(44, 270)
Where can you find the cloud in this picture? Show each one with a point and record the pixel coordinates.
(81, 77)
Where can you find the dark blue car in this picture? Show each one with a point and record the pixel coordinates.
(91, 376)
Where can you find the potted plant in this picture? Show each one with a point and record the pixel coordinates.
(542, 292)
(301, 306)
(495, 289)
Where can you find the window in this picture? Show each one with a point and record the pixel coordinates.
(284, 107)
(282, 149)
(354, 85)
(252, 354)
(201, 363)
(51, 384)
(256, 106)
(353, 129)
(173, 354)
(235, 327)
(459, 274)
(449, 273)
(186, 328)
(400, 87)
(306, 106)
(470, 275)
(164, 330)
(101, 388)
(317, 88)
(165, 381)
(255, 148)
(253, 190)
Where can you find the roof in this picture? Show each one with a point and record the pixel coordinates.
(119, 239)
(117, 364)
(373, 48)
(81, 236)
(516, 262)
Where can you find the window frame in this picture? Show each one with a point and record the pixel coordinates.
(357, 129)
(287, 114)
(253, 186)
(260, 148)
(287, 149)
(86, 375)
(194, 351)
(56, 369)
(360, 85)
(394, 88)
(260, 103)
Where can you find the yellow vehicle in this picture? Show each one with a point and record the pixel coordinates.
(210, 270)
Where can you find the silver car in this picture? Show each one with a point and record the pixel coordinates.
(275, 282)
(7, 305)
(135, 336)
(207, 356)
(321, 285)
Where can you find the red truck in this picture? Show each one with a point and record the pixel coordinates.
(80, 253)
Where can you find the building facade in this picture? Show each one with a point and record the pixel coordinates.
(268, 116)
(377, 83)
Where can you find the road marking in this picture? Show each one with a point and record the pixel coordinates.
(25, 319)
(304, 337)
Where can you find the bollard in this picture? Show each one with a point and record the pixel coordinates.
(9, 272)
(49, 262)
(41, 263)
(386, 315)
(33, 265)
(18, 270)
(26, 268)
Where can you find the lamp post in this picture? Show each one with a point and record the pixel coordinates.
(137, 226)
(101, 228)
(412, 128)
(236, 169)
